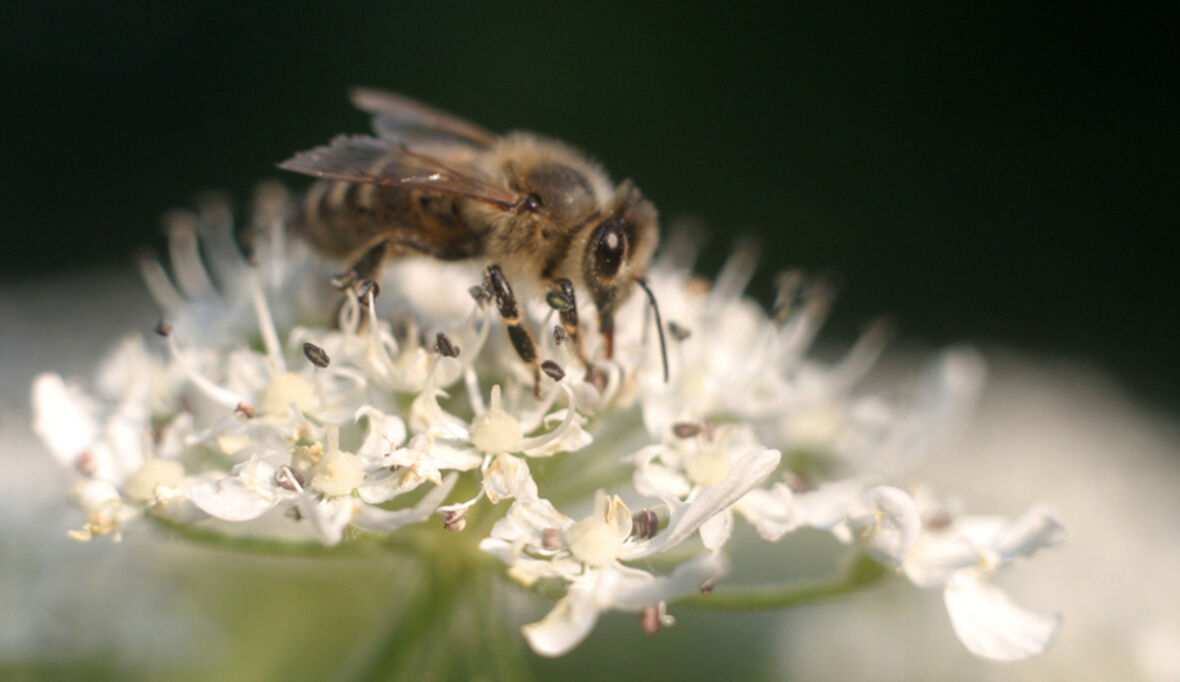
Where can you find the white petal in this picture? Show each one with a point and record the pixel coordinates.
(686, 579)
(523, 569)
(329, 517)
(1031, 531)
(895, 527)
(508, 477)
(64, 417)
(380, 520)
(828, 504)
(426, 415)
(991, 626)
(934, 560)
(385, 432)
(527, 519)
(616, 515)
(433, 456)
(93, 495)
(566, 437)
(127, 370)
(747, 472)
(381, 490)
(231, 499)
(661, 482)
(771, 511)
(127, 434)
(570, 621)
(716, 531)
(978, 531)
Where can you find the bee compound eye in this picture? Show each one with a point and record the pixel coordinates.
(610, 247)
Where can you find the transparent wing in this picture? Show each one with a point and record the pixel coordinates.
(381, 162)
(401, 119)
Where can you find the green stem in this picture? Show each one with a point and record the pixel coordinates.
(861, 573)
(502, 649)
(409, 643)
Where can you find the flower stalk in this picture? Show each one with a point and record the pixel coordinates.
(862, 572)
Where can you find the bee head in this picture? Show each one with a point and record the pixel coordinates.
(618, 253)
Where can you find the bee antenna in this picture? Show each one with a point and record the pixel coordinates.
(655, 307)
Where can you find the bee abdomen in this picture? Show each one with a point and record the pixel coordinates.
(340, 219)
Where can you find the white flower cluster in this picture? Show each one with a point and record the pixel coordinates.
(296, 413)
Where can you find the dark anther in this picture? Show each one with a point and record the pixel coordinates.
(559, 301)
(442, 344)
(645, 524)
(649, 620)
(481, 293)
(551, 538)
(679, 333)
(455, 520)
(288, 478)
(318, 356)
(686, 429)
(797, 482)
(246, 410)
(710, 582)
(596, 377)
(938, 521)
(163, 328)
(553, 370)
(84, 463)
(560, 335)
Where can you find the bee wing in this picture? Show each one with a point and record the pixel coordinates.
(372, 161)
(402, 119)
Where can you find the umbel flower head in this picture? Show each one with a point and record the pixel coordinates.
(271, 405)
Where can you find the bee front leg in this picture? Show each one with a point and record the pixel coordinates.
(520, 337)
(561, 298)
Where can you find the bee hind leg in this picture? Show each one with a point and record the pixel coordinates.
(522, 340)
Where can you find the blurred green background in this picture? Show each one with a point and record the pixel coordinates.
(986, 174)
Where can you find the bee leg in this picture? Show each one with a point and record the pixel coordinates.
(561, 298)
(365, 267)
(520, 337)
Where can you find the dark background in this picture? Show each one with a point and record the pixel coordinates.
(995, 175)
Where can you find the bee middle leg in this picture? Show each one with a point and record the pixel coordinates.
(509, 310)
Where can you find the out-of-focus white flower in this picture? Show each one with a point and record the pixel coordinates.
(958, 554)
(277, 406)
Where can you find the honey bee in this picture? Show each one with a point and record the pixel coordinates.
(538, 212)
